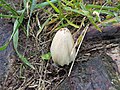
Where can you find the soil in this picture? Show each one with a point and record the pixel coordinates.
(94, 74)
(6, 55)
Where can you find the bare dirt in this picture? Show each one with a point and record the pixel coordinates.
(5, 56)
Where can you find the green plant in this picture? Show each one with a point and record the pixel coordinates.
(19, 16)
(18, 22)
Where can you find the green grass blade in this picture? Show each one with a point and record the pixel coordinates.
(25, 3)
(103, 7)
(4, 46)
(20, 20)
(15, 37)
(25, 61)
(105, 12)
(8, 7)
(15, 44)
(43, 25)
(53, 6)
(92, 21)
(72, 24)
(74, 10)
(82, 6)
(31, 10)
(8, 16)
(32, 7)
(45, 4)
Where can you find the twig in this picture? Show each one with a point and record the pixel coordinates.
(82, 37)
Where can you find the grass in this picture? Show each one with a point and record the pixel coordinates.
(64, 14)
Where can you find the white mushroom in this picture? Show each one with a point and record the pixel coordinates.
(62, 50)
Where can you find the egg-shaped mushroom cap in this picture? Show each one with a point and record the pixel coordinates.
(61, 49)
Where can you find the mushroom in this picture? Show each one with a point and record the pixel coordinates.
(62, 47)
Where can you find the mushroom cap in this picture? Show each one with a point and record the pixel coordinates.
(61, 49)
